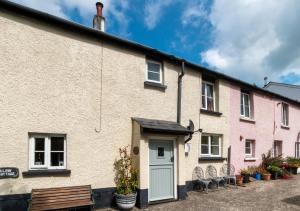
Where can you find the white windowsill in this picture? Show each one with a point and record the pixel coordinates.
(247, 119)
(250, 158)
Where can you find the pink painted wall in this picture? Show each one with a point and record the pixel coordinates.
(267, 127)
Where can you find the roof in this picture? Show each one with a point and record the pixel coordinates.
(161, 126)
(289, 90)
(81, 30)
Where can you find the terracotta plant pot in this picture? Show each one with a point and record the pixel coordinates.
(267, 176)
(239, 179)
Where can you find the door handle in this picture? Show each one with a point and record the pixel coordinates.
(172, 159)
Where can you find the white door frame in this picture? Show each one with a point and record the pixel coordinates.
(164, 138)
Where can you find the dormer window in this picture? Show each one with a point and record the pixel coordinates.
(208, 102)
(154, 71)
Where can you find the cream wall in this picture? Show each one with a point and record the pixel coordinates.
(57, 82)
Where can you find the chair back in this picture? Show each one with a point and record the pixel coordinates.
(198, 173)
(228, 169)
(211, 172)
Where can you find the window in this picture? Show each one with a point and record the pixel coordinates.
(210, 146)
(245, 105)
(285, 114)
(249, 148)
(208, 96)
(277, 148)
(154, 71)
(160, 152)
(47, 152)
(297, 149)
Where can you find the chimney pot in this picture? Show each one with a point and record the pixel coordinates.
(99, 20)
(99, 7)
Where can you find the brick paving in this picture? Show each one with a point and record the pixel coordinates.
(258, 196)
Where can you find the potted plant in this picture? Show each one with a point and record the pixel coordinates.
(126, 180)
(293, 164)
(246, 174)
(239, 179)
(258, 173)
(266, 175)
(274, 170)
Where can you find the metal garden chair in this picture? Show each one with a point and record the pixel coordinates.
(211, 173)
(228, 171)
(198, 175)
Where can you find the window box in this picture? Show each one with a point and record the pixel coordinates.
(45, 173)
(213, 113)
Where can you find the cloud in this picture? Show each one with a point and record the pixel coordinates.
(194, 13)
(114, 11)
(254, 38)
(154, 10)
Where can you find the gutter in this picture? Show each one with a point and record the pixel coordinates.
(179, 91)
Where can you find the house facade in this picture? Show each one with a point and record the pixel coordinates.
(71, 96)
(261, 122)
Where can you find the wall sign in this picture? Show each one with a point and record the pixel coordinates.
(9, 172)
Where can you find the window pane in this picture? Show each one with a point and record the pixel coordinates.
(210, 104)
(203, 102)
(153, 76)
(57, 158)
(160, 152)
(248, 143)
(39, 144)
(39, 158)
(153, 67)
(204, 149)
(247, 111)
(204, 140)
(214, 150)
(215, 140)
(57, 143)
(203, 88)
(246, 99)
(242, 110)
(209, 90)
(248, 150)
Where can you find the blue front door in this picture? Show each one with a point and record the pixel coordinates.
(161, 170)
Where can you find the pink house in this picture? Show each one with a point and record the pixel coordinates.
(261, 121)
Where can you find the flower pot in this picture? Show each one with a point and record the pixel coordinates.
(246, 178)
(266, 176)
(126, 202)
(274, 175)
(239, 179)
(293, 170)
(258, 176)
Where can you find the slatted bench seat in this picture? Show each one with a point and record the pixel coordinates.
(61, 198)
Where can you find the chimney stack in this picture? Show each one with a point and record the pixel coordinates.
(266, 81)
(99, 20)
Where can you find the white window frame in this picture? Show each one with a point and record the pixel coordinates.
(276, 142)
(285, 115)
(244, 106)
(160, 71)
(47, 152)
(209, 146)
(249, 155)
(205, 95)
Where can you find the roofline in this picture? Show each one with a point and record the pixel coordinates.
(282, 84)
(73, 27)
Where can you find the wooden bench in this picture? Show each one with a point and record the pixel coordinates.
(61, 198)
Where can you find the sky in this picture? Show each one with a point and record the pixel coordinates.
(246, 39)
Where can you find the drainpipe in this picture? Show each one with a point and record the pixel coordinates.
(179, 93)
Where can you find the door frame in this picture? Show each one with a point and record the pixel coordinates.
(175, 172)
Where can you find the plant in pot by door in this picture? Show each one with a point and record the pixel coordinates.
(275, 171)
(293, 164)
(126, 180)
(246, 174)
(258, 173)
(239, 179)
(266, 175)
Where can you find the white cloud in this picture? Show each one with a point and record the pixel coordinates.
(194, 13)
(114, 10)
(254, 38)
(154, 10)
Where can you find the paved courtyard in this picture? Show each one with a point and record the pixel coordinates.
(259, 195)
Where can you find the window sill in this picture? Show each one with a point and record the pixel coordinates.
(201, 159)
(159, 86)
(250, 159)
(285, 127)
(244, 119)
(213, 113)
(47, 172)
